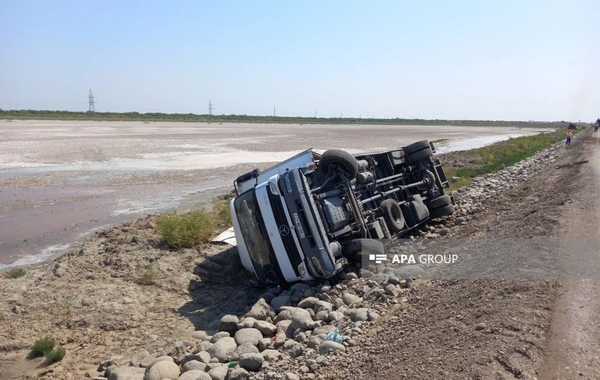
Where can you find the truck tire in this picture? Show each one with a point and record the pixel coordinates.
(341, 158)
(392, 214)
(441, 201)
(442, 211)
(355, 249)
(419, 145)
(419, 155)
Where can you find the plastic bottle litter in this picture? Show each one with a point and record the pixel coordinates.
(335, 336)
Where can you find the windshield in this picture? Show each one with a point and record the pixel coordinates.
(252, 229)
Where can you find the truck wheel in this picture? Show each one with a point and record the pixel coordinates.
(420, 154)
(442, 211)
(419, 145)
(441, 201)
(341, 158)
(357, 248)
(392, 214)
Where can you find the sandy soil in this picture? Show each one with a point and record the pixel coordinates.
(61, 179)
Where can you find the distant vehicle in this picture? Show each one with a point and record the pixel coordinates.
(597, 125)
(306, 217)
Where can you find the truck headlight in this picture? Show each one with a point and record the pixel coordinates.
(273, 188)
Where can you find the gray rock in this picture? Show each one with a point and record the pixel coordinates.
(323, 306)
(301, 319)
(238, 374)
(154, 358)
(246, 348)
(261, 310)
(251, 362)
(246, 323)
(279, 301)
(193, 365)
(218, 373)
(127, 373)
(308, 303)
(391, 290)
(294, 348)
(223, 349)
(229, 323)
(201, 335)
(329, 346)
(350, 298)
(264, 344)
(219, 335)
(267, 329)
(162, 370)
(299, 287)
(203, 357)
(249, 335)
(195, 375)
(175, 349)
(271, 355)
(283, 315)
(359, 314)
(291, 376)
(335, 316)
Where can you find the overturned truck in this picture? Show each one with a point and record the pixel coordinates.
(306, 217)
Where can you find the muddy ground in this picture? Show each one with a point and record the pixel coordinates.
(61, 179)
(92, 301)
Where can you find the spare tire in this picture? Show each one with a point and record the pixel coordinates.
(419, 145)
(392, 214)
(339, 158)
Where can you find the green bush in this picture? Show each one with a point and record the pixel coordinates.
(500, 155)
(15, 273)
(195, 227)
(55, 355)
(41, 346)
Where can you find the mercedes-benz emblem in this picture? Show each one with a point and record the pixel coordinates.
(284, 230)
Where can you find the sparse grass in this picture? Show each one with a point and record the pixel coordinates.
(41, 346)
(15, 273)
(147, 277)
(55, 355)
(195, 227)
(45, 347)
(500, 155)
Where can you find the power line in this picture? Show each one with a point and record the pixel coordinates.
(211, 107)
(92, 108)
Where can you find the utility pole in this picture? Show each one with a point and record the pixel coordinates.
(211, 107)
(92, 108)
(274, 111)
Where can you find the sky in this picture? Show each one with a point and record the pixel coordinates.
(429, 59)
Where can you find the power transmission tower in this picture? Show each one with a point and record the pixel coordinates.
(274, 109)
(92, 108)
(211, 107)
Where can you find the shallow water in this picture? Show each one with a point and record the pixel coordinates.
(59, 180)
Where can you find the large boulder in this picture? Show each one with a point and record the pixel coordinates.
(195, 375)
(250, 335)
(301, 319)
(229, 323)
(162, 370)
(223, 349)
(251, 362)
(261, 310)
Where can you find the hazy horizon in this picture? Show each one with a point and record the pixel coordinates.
(454, 60)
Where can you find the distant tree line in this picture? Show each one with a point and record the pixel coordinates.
(190, 117)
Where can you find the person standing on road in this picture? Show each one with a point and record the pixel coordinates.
(569, 137)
